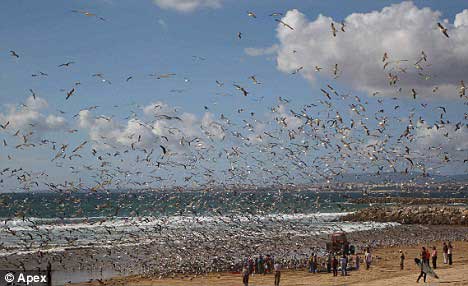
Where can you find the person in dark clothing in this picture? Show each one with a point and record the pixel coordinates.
(335, 266)
(329, 263)
(445, 253)
(450, 253)
(402, 260)
(245, 276)
(424, 260)
(434, 257)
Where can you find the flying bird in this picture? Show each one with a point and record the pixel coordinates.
(5, 125)
(332, 25)
(255, 81)
(245, 92)
(297, 70)
(276, 14)
(67, 64)
(443, 29)
(284, 24)
(251, 14)
(70, 93)
(14, 54)
(33, 93)
(462, 91)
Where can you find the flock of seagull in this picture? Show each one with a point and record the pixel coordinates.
(286, 146)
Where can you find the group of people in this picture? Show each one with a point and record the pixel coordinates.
(261, 265)
(428, 256)
(343, 262)
(334, 262)
(331, 263)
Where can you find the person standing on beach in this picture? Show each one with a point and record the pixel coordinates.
(368, 258)
(344, 265)
(277, 268)
(335, 266)
(424, 260)
(450, 253)
(434, 257)
(358, 261)
(329, 262)
(245, 275)
(261, 268)
(445, 252)
(315, 263)
(402, 260)
(311, 263)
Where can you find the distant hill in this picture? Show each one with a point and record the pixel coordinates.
(391, 177)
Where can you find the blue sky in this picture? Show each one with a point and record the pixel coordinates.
(139, 38)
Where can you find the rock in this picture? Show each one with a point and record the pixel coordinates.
(430, 215)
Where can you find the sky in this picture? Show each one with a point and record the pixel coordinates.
(120, 50)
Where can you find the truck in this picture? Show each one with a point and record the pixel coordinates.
(339, 244)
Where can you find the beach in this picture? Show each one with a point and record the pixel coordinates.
(205, 244)
(384, 271)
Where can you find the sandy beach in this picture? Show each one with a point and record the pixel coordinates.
(384, 271)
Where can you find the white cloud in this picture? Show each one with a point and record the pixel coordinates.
(187, 5)
(402, 30)
(461, 19)
(29, 117)
(162, 125)
(107, 132)
(447, 138)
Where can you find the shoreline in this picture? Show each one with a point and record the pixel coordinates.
(208, 249)
(384, 271)
(385, 242)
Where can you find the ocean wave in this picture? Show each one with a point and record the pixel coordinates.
(115, 222)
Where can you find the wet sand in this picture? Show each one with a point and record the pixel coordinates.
(384, 271)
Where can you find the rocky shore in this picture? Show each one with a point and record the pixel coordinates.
(427, 215)
(408, 200)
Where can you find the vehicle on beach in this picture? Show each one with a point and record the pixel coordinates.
(339, 243)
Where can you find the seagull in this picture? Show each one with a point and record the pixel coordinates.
(84, 13)
(443, 29)
(255, 81)
(40, 74)
(284, 24)
(462, 88)
(239, 35)
(333, 29)
(297, 70)
(5, 125)
(335, 70)
(245, 92)
(33, 93)
(343, 26)
(251, 14)
(413, 93)
(66, 64)
(326, 93)
(14, 54)
(89, 14)
(385, 57)
(70, 93)
(276, 14)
